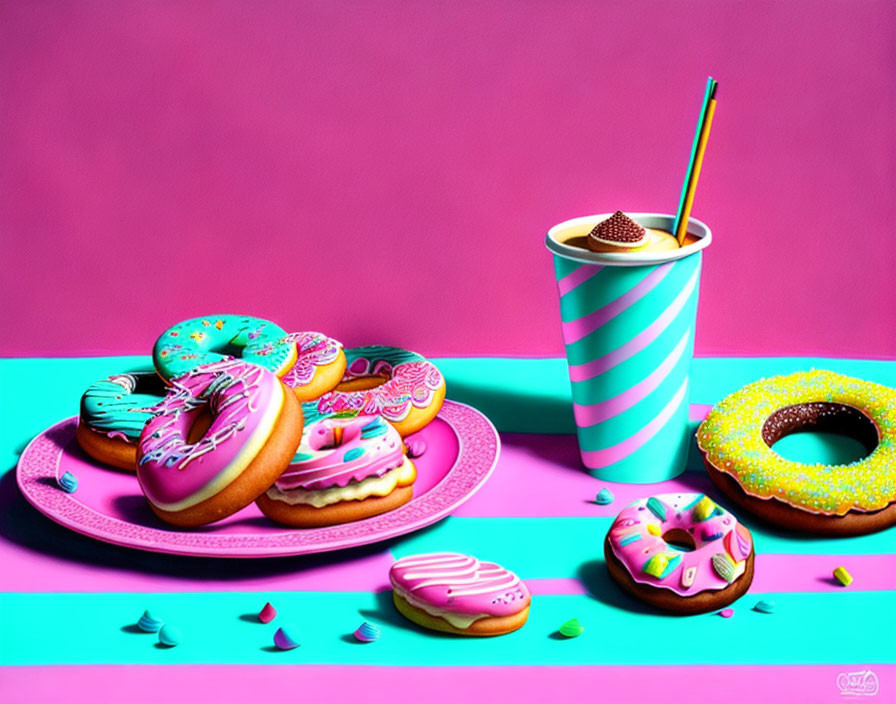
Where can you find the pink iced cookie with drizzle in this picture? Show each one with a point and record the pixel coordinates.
(683, 544)
(459, 594)
(320, 364)
(399, 385)
(255, 426)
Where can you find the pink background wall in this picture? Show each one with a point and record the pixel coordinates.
(385, 171)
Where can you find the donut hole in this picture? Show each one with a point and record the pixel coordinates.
(825, 433)
(201, 423)
(679, 539)
(361, 383)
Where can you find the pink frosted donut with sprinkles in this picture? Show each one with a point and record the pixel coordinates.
(456, 593)
(680, 552)
(346, 469)
(320, 364)
(399, 385)
(220, 437)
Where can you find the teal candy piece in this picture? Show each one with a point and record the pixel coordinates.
(68, 482)
(149, 623)
(353, 454)
(198, 341)
(630, 538)
(657, 508)
(170, 636)
(367, 632)
(122, 403)
(604, 497)
(765, 606)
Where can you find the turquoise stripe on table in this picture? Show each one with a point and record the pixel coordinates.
(219, 627)
(518, 395)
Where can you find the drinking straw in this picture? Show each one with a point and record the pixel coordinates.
(697, 150)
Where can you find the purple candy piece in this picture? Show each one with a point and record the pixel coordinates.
(285, 639)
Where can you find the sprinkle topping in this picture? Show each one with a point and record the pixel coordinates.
(620, 230)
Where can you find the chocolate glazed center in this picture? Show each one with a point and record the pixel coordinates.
(821, 417)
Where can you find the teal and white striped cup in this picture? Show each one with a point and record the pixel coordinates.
(628, 326)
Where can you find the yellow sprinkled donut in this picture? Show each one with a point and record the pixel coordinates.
(858, 497)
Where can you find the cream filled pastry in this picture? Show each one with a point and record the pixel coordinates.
(346, 468)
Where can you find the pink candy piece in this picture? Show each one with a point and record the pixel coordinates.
(726, 613)
(416, 446)
(267, 614)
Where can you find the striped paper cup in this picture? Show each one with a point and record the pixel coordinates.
(628, 325)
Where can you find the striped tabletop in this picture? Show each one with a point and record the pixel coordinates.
(69, 604)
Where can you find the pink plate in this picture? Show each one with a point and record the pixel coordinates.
(461, 451)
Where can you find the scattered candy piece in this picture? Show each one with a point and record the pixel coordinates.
(604, 497)
(149, 623)
(285, 639)
(653, 529)
(266, 615)
(367, 632)
(844, 577)
(416, 446)
(765, 607)
(169, 635)
(572, 628)
(726, 613)
(68, 482)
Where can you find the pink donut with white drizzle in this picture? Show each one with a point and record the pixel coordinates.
(457, 593)
(252, 425)
(346, 468)
(399, 385)
(680, 552)
(320, 364)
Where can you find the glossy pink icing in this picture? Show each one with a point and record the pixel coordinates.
(238, 395)
(314, 350)
(459, 583)
(633, 543)
(410, 385)
(321, 458)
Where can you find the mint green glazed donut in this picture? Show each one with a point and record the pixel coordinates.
(212, 338)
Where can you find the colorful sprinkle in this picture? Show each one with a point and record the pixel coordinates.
(353, 454)
(604, 497)
(661, 565)
(170, 636)
(704, 509)
(630, 538)
(654, 529)
(723, 566)
(657, 508)
(367, 632)
(726, 613)
(843, 576)
(688, 575)
(149, 623)
(68, 482)
(572, 628)
(765, 607)
(285, 639)
(267, 613)
(738, 543)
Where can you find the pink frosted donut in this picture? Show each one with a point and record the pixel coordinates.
(248, 426)
(345, 469)
(320, 364)
(680, 552)
(401, 386)
(457, 593)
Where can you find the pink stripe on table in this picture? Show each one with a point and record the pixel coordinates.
(595, 459)
(222, 684)
(575, 330)
(778, 573)
(583, 372)
(595, 413)
(577, 277)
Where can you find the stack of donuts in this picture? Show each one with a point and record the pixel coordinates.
(240, 411)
